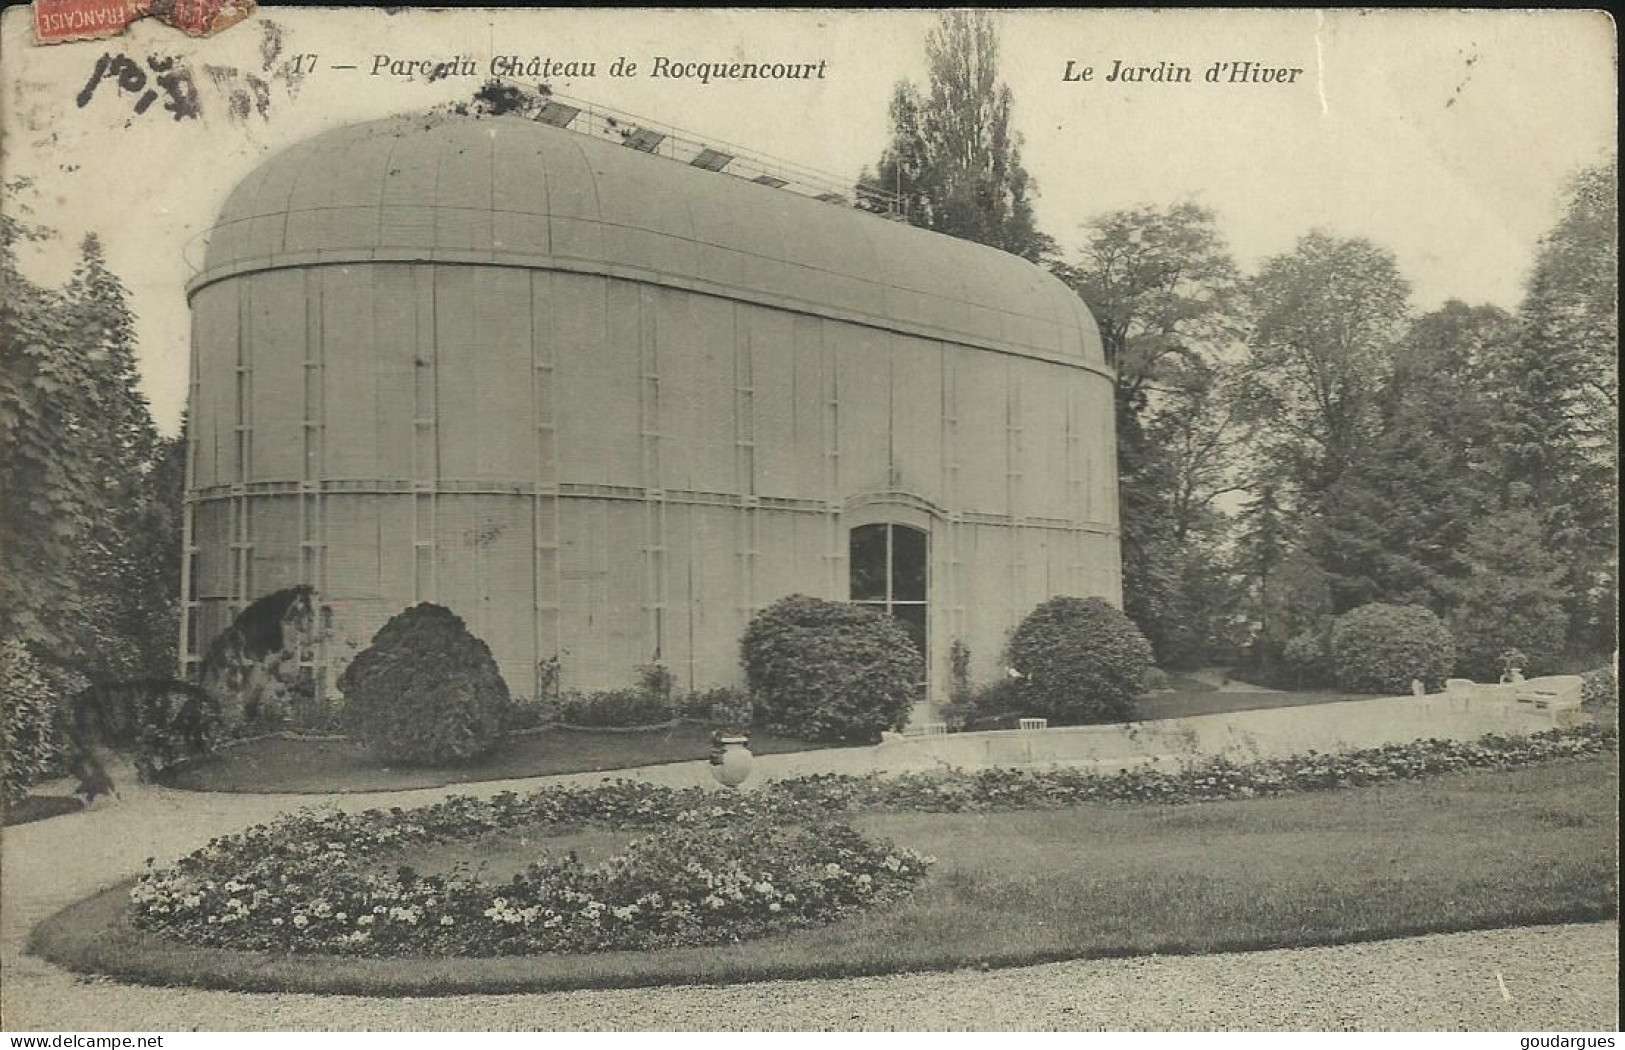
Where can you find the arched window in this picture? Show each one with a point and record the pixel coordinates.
(889, 574)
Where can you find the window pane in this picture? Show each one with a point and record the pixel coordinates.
(913, 619)
(908, 564)
(867, 555)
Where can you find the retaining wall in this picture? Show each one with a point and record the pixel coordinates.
(1238, 735)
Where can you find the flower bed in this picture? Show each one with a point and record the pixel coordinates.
(718, 868)
(313, 883)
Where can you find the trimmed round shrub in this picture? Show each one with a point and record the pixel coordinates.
(828, 671)
(1080, 661)
(426, 691)
(1306, 655)
(30, 744)
(1381, 648)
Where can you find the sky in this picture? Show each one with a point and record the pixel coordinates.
(1446, 137)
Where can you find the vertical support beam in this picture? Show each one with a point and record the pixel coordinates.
(839, 584)
(545, 513)
(1013, 452)
(187, 648)
(312, 520)
(242, 451)
(950, 597)
(1077, 487)
(744, 467)
(654, 500)
(425, 438)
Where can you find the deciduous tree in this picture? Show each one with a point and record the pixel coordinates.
(1165, 292)
(1328, 314)
(954, 161)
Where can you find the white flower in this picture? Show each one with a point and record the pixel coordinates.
(300, 921)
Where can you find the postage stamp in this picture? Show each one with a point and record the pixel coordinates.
(61, 21)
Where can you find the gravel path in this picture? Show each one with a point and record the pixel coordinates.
(1556, 978)
(1541, 978)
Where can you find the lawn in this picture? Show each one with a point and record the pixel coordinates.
(1456, 852)
(39, 807)
(294, 766)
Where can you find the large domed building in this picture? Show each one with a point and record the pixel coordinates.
(606, 405)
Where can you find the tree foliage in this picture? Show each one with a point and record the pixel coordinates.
(31, 742)
(88, 570)
(1327, 316)
(1510, 596)
(1394, 524)
(1555, 395)
(1166, 294)
(77, 455)
(49, 498)
(954, 161)
(122, 447)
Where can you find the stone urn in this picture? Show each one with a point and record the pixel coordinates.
(731, 760)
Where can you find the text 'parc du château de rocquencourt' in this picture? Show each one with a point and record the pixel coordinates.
(536, 67)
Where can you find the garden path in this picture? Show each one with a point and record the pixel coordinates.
(1556, 977)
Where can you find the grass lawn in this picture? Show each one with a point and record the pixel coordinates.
(1456, 852)
(1185, 684)
(276, 764)
(40, 807)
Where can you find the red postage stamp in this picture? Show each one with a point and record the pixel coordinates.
(58, 21)
(201, 17)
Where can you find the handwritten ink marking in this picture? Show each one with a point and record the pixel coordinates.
(175, 80)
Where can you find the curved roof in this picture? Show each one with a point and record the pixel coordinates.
(507, 191)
